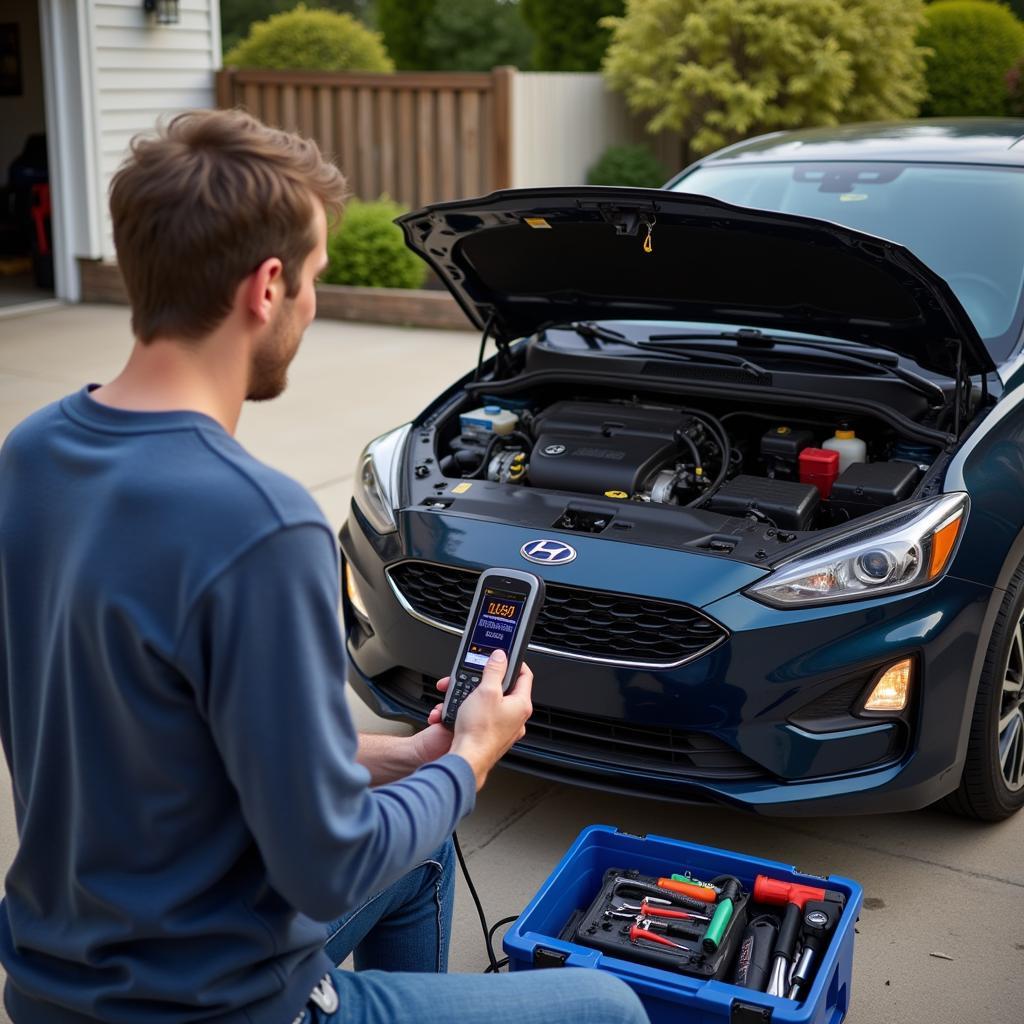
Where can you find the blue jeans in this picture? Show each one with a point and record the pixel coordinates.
(400, 940)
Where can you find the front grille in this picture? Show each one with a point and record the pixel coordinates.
(595, 624)
(607, 741)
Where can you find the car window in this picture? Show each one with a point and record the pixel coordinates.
(965, 223)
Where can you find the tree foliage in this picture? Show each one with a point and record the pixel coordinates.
(402, 23)
(476, 35)
(975, 46)
(237, 15)
(368, 249)
(568, 35)
(317, 40)
(454, 35)
(716, 71)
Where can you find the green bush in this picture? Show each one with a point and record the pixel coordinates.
(369, 250)
(567, 33)
(975, 45)
(317, 40)
(716, 71)
(237, 15)
(627, 165)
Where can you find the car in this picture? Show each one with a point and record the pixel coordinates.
(761, 434)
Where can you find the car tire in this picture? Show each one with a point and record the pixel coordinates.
(992, 788)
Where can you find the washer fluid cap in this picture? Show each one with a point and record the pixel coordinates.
(845, 435)
(492, 409)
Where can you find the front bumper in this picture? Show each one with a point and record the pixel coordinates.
(741, 698)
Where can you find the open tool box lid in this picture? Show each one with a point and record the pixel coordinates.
(668, 997)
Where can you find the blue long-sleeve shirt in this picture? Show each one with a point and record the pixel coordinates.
(172, 711)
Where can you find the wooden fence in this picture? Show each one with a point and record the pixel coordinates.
(417, 137)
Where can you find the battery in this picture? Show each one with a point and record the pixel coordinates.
(789, 505)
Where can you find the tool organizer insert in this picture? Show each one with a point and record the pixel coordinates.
(700, 934)
(612, 925)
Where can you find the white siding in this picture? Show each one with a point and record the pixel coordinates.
(142, 72)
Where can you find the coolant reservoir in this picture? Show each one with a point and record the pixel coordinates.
(490, 419)
(851, 448)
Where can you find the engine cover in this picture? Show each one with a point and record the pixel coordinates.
(592, 464)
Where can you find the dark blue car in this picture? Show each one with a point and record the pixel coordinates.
(761, 433)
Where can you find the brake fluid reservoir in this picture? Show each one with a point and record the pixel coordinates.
(489, 418)
(851, 448)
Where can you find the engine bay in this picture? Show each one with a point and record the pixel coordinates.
(790, 470)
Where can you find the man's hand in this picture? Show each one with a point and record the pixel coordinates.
(489, 722)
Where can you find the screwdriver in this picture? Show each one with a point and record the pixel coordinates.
(704, 893)
(636, 933)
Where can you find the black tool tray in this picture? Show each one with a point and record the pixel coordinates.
(611, 935)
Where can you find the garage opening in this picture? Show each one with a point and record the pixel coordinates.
(26, 241)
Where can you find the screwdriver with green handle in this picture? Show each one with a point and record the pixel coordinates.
(729, 889)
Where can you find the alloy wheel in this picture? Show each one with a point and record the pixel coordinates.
(1010, 726)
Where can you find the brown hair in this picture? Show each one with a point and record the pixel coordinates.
(201, 205)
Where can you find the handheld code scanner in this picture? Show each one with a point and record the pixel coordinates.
(503, 613)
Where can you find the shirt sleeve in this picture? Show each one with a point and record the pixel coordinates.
(263, 650)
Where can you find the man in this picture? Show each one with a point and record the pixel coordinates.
(190, 794)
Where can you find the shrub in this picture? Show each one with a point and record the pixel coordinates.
(317, 40)
(716, 71)
(369, 250)
(568, 35)
(1015, 89)
(975, 45)
(627, 165)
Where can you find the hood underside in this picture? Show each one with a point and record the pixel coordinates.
(525, 259)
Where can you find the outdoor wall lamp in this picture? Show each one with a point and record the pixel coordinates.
(166, 10)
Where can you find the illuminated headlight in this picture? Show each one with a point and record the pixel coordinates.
(907, 551)
(376, 486)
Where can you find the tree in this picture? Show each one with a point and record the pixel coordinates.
(314, 40)
(568, 34)
(716, 71)
(402, 23)
(236, 16)
(476, 35)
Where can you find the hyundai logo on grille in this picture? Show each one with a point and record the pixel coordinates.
(547, 552)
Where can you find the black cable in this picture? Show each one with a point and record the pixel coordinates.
(494, 967)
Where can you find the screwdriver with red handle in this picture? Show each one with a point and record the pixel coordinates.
(636, 933)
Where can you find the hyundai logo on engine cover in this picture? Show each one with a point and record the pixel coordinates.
(547, 552)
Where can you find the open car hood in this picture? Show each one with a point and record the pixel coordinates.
(524, 259)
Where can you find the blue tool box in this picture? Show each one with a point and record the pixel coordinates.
(670, 997)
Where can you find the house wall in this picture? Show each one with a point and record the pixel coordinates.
(141, 71)
(563, 121)
(21, 116)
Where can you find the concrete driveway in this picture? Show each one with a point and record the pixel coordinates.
(934, 884)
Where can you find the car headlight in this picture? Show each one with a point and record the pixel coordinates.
(904, 551)
(376, 486)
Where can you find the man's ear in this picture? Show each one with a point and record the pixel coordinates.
(263, 288)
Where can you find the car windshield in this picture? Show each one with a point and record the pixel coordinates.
(966, 223)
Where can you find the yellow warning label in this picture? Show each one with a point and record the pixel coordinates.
(461, 488)
(616, 494)
(852, 197)
(537, 222)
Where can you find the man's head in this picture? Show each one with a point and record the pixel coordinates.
(214, 213)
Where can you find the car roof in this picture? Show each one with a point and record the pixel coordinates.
(974, 140)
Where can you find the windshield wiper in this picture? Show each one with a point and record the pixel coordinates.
(884, 361)
(592, 333)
